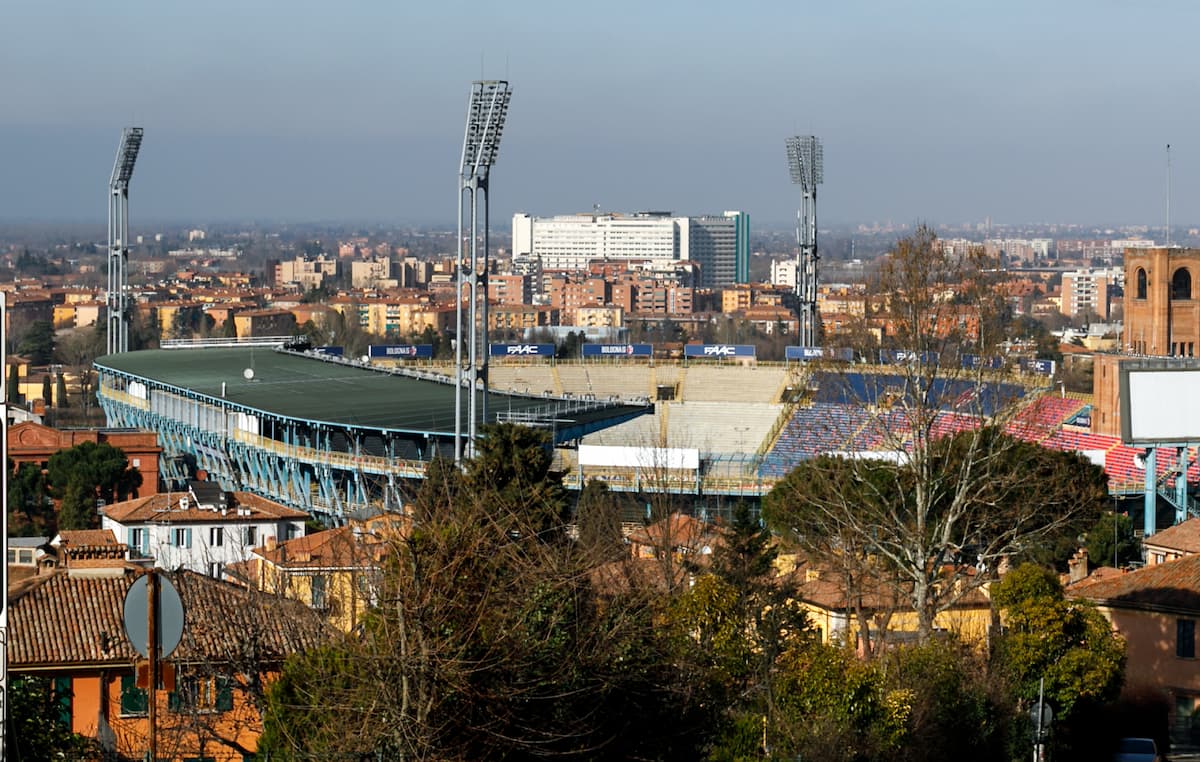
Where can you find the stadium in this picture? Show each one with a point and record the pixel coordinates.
(309, 430)
(334, 436)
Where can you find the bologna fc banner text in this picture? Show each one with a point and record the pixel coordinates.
(618, 350)
(816, 353)
(400, 351)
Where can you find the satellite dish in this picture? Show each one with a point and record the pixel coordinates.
(248, 374)
(1139, 460)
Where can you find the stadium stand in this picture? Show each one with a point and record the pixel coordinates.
(733, 383)
(721, 427)
(627, 381)
(818, 428)
(525, 379)
(1042, 416)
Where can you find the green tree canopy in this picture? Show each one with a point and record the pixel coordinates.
(1067, 642)
(38, 343)
(492, 638)
(1111, 541)
(28, 501)
(932, 518)
(97, 468)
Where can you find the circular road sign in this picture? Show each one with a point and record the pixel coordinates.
(170, 616)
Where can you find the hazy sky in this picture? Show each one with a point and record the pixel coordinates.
(1041, 111)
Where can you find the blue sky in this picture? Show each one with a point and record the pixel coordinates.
(940, 111)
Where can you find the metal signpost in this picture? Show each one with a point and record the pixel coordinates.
(153, 617)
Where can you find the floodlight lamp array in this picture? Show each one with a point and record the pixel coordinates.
(485, 122)
(806, 160)
(131, 143)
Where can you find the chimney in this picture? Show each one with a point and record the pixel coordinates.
(270, 543)
(1078, 566)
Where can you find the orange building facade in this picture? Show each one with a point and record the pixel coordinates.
(1162, 312)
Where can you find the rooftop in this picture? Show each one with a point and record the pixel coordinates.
(308, 388)
(1172, 585)
(58, 619)
(169, 507)
(331, 549)
(1183, 537)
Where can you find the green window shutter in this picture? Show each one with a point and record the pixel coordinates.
(224, 694)
(62, 696)
(174, 703)
(133, 698)
(187, 538)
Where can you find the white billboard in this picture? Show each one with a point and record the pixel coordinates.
(646, 458)
(1160, 402)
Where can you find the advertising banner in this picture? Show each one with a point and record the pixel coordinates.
(718, 351)
(521, 350)
(804, 354)
(904, 356)
(1045, 367)
(974, 362)
(617, 350)
(400, 351)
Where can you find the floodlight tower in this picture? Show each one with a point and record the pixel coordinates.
(118, 240)
(486, 111)
(806, 160)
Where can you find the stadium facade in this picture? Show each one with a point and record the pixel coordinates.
(312, 431)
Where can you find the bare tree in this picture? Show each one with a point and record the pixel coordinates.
(945, 494)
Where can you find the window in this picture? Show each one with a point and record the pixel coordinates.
(181, 538)
(317, 584)
(133, 699)
(195, 693)
(1181, 284)
(1141, 284)
(138, 540)
(216, 536)
(1185, 638)
(216, 569)
(250, 536)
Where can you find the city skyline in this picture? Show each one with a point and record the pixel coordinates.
(937, 112)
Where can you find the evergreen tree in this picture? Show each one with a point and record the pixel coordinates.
(14, 384)
(47, 391)
(78, 508)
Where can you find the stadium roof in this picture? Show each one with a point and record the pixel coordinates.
(290, 385)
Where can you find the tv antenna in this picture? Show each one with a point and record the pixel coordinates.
(1168, 195)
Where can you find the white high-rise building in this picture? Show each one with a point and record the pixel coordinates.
(718, 244)
(571, 241)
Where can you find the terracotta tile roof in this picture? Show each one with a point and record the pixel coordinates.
(677, 530)
(1174, 584)
(1183, 537)
(61, 619)
(164, 507)
(331, 549)
(826, 588)
(86, 537)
